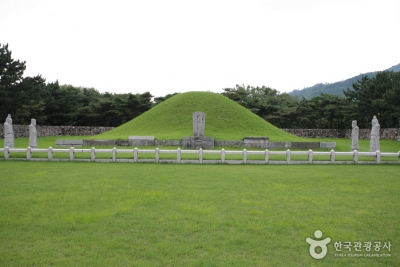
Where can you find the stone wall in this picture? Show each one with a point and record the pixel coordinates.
(132, 143)
(23, 130)
(387, 133)
(209, 145)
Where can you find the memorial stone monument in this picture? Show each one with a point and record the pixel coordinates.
(8, 132)
(199, 121)
(354, 136)
(198, 140)
(33, 134)
(374, 142)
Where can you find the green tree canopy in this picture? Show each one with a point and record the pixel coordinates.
(378, 96)
(11, 72)
(266, 102)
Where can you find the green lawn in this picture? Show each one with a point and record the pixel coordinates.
(119, 214)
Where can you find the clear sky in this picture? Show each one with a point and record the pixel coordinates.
(167, 46)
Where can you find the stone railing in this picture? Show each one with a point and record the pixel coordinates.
(201, 156)
(386, 133)
(43, 131)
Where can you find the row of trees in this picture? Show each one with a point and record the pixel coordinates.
(54, 104)
(285, 111)
(379, 95)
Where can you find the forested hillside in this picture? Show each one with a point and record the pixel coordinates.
(334, 88)
(378, 96)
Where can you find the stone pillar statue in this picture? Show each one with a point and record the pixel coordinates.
(374, 142)
(33, 134)
(8, 132)
(354, 136)
(199, 121)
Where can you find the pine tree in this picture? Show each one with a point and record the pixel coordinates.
(11, 72)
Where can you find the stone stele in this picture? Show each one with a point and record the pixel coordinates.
(8, 132)
(33, 134)
(199, 121)
(198, 140)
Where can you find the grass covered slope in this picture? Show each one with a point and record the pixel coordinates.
(172, 119)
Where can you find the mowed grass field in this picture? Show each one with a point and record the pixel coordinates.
(121, 214)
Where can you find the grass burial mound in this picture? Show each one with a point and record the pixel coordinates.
(172, 119)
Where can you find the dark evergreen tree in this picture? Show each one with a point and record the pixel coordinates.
(278, 109)
(11, 72)
(306, 115)
(375, 96)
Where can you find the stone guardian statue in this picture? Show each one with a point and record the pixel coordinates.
(33, 134)
(8, 132)
(374, 142)
(354, 136)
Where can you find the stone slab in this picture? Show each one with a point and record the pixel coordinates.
(143, 142)
(142, 137)
(330, 145)
(257, 145)
(69, 142)
(98, 143)
(75, 142)
(305, 145)
(169, 142)
(279, 145)
(256, 140)
(232, 143)
(198, 142)
(122, 142)
(227, 143)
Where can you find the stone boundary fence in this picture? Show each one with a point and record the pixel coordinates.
(92, 154)
(386, 133)
(43, 130)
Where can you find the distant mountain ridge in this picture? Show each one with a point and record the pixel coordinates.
(334, 88)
